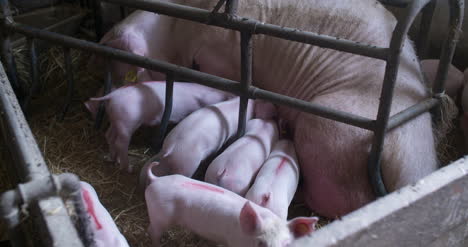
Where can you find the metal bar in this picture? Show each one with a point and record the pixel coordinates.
(107, 89)
(246, 81)
(448, 49)
(425, 27)
(34, 73)
(253, 26)
(195, 76)
(98, 19)
(218, 6)
(312, 108)
(411, 112)
(167, 112)
(31, 166)
(231, 7)
(391, 71)
(70, 81)
(6, 51)
(396, 3)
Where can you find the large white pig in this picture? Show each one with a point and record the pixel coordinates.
(216, 214)
(130, 107)
(277, 180)
(235, 169)
(333, 156)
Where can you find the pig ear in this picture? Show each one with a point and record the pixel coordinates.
(249, 219)
(302, 226)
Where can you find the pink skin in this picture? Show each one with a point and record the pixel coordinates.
(130, 107)
(335, 172)
(104, 229)
(454, 82)
(216, 214)
(198, 136)
(277, 180)
(236, 168)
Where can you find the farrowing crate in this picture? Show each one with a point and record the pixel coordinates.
(402, 211)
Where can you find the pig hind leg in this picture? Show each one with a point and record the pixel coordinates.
(121, 144)
(110, 138)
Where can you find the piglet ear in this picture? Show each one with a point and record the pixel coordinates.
(302, 226)
(249, 219)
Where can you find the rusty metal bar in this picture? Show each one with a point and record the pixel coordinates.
(391, 71)
(424, 31)
(107, 89)
(34, 73)
(246, 81)
(167, 112)
(97, 12)
(253, 26)
(70, 81)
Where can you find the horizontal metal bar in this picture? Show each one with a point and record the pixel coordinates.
(396, 3)
(312, 108)
(411, 112)
(253, 26)
(127, 57)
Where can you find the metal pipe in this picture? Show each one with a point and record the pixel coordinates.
(167, 113)
(253, 26)
(6, 51)
(425, 27)
(70, 81)
(312, 108)
(231, 7)
(396, 3)
(34, 73)
(246, 81)
(391, 71)
(107, 89)
(411, 112)
(448, 49)
(11, 217)
(31, 167)
(97, 11)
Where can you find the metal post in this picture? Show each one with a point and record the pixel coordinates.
(157, 144)
(34, 73)
(70, 82)
(425, 27)
(391, 71)
(246, 80)
(107, 89)
(97, 11)
(6, 49)
(231, 7)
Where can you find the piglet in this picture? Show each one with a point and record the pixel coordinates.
(454, 82)
(216, 214)
(103, 227)
(130, 107)
(277, 180)
(198, 136)
(236, 168)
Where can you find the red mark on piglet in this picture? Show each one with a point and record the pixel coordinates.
(90, 208)
(203, 187)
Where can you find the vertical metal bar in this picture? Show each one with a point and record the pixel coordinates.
(98, 19)
(450, 43)
(425, 27)
(6, 49)
(157, 145)
(246, 80)
(231, 7)
(123, 13)
(386, 96)
(107, 89)
(34, 73)
(82, 3)
(70, 82)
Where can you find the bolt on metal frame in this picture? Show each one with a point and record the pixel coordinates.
(247, 27)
